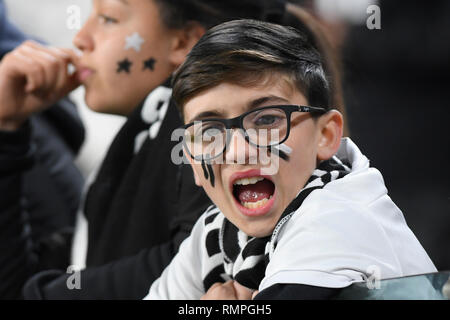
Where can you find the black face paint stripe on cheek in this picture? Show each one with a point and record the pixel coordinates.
(124, 65)
(211, 174)
(205, 172)
(283, 155)
(208, 172)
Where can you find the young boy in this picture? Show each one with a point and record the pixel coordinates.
(314, 218)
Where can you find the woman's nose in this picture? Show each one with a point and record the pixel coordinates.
(238, 150)
(83, 39)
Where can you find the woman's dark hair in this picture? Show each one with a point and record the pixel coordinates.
(246, 52)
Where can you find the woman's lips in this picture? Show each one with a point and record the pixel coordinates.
(260, 210)
(84, 73)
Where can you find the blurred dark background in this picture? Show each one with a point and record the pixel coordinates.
(396, 88)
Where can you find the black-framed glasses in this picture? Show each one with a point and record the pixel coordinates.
(264, 127)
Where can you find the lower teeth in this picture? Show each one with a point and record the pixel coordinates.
(257, 204)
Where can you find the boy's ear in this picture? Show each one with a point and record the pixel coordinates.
(191, 161)
(184, 40)
(331, 127)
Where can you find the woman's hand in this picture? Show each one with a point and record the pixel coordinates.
(32, 78)
(230, 290)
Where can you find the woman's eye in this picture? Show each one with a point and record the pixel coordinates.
(107, 20)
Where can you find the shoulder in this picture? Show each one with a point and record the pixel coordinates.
(328, 219)
(329, 242)
(325, 207)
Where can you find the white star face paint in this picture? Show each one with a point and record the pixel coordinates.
(134, 41)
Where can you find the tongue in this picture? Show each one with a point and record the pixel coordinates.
(254, 192)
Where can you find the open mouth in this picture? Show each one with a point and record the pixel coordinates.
(254, 194)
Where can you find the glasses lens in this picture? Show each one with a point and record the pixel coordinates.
(205, 139)
(266, 127)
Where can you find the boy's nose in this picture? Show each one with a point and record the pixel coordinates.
(83, 39)
(239, 151)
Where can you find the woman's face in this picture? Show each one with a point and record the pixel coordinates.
(125, 54)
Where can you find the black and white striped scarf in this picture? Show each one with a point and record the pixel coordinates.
(234, 255)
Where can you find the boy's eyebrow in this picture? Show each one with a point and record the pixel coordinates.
(251, 105)
(207, 114)
(267, 99)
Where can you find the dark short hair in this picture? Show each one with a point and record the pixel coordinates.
(245, 52)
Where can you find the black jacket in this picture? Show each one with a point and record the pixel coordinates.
(40, 188)
(140, 208)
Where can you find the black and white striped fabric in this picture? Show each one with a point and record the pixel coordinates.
(234, 255)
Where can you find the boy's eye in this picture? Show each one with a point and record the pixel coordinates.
(266, 120)
(107, 20)
(211, 132)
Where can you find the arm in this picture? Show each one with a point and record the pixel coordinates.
(17, 260)
(182, 279)
(329, 251)
(127, 278)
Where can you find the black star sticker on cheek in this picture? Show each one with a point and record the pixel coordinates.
(149, 64)
(124, 65)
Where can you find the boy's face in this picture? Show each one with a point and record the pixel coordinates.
(230, 193)
(125, 54)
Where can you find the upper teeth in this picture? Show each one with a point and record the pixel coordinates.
(245, 181)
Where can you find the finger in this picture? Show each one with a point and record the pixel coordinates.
(220, 291)
(70, 84)
(60, 81)
(215, 285)
(54, 51)
(227, 291)
(63, 57)
(46, 62)
(208, 295)
(69, 57)
(32, 72)
(64, 80)
(70, 53)
(242, 293)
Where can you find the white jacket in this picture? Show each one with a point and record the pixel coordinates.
(347, 232)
